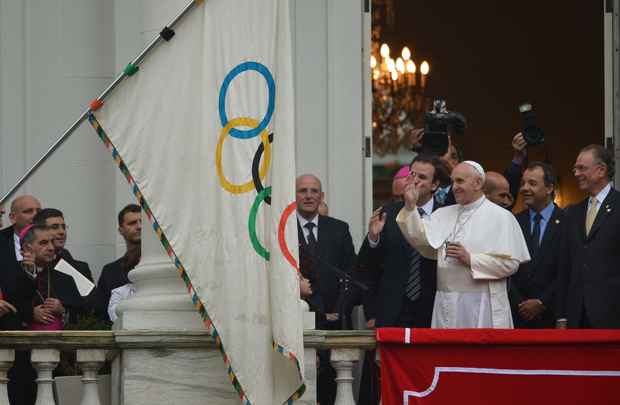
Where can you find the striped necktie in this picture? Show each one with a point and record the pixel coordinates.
(414, 283)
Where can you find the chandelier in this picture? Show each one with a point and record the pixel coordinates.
(399, 100)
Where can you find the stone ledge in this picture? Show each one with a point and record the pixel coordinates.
(152, 339)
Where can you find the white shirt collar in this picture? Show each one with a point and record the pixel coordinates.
(428, 207)
(303, 221)
(18, 247)
(600, 197)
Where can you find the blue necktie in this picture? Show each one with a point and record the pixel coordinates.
(536, 233)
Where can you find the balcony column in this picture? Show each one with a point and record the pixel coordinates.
(45, 361)
(7, 356)
(90, 361)
(161, 302)
(343, 361)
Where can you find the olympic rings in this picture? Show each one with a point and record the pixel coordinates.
(271, 85)
(258, 185)
(281, 237)
(245, 187)
(252, 224)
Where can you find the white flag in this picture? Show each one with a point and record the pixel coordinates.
(204, 132)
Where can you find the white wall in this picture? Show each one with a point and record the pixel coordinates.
(330, 38)
(55, 56)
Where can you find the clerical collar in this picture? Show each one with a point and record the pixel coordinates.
(474, 205)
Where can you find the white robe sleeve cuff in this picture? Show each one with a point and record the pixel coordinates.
(492, 267)
(413, 229)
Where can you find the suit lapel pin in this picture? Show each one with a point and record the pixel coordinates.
(557, 221)
(608, 208)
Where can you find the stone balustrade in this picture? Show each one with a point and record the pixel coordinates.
(93, 348)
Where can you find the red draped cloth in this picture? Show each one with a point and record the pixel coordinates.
(499, 366)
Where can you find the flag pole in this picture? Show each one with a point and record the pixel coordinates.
(121, 76)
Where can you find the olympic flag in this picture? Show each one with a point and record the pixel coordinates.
(204, 134)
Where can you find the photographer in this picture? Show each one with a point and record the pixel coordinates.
(441, 126)
(519, 160)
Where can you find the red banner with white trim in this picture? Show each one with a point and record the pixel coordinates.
(496, 366)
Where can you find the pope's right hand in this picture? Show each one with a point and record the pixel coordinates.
(376, 224)
(411, 196)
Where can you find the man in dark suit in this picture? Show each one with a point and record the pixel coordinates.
(533, 288)
(54, 220)
(590, 273)
(326, 248)
(22, 211)
(115, 274)
(405, 281)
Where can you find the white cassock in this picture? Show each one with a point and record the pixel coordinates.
(476, 296)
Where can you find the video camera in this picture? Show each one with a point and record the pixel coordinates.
(437, 124)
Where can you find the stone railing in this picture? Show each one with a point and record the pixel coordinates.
(93, 348)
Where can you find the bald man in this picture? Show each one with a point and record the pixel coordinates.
(22, 210)
(477, 246)
(325, 247)
(21, 387)
(497, 190)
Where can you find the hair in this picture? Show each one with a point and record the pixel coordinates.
(31, 234)
(604, 156)
(549, 177)
(46, 213)
(128, 208)
(488, 187)
(440, 174)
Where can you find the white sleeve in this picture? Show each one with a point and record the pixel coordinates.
(116, 296)
(373, 244)
(492, 267)
(413, 229)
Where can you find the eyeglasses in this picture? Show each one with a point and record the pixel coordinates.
(582, 168)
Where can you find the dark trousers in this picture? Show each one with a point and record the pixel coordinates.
(22, 387)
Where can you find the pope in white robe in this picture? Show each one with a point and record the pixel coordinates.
(477, 245)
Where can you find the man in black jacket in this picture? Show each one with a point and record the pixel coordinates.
(114, 275)
(533, 289)
(590, 278)
(326, 248)
(405, 281)
(22, 211)
(54, 219)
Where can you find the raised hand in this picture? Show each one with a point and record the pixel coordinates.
(520, 146)
(411, 196)
(376, 224)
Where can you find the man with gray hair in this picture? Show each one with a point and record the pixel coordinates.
(477, 245)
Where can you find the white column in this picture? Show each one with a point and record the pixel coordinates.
(7, 356)
(90, 361)
(309, 397)
(162, 302)
(343, 361)
(45, 361)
